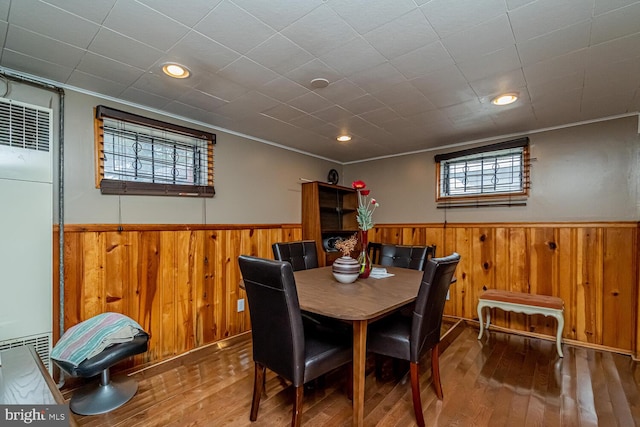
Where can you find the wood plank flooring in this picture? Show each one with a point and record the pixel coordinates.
(502, 380)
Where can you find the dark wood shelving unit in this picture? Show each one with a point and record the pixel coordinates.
(328, 213)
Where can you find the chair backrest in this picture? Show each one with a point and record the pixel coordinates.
(276, 323)
(412, 257)
(302, 255)
(373, 249)
(429, 306)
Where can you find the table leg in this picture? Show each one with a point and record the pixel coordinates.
(359, 362)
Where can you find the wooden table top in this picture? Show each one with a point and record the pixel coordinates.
(365, 299)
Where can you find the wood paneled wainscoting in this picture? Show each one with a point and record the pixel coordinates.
(591, 266)
(181, 282)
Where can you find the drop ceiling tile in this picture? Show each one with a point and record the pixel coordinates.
(333, 114)
(247, 105)
(158, 30)
(312, 70)
(617, 23)
(188, 112)
(201, 100)
(555, 43)
(601, 107)
(4, 10)
(377, 77)
(445, 98)
(279, 14)
(463, 109)
(283, 112)
(3, 32)
(307, 121)
(544, 16)
(412, 108)
(482, 39)
(320, 31)
(448, 17)
(247, 73)
(615, 50)
(220, 87)
(341, 91)
(422, 61)
(445, 78)
(109, 69)
(53, 22)
(283, 89)
(35, 66)
(503, 60)
(123, 49)
(363, 104)
(162, 85)
(550, 88)
(365, 15)
(380, 116)
(96, 13)
(402, 35)
(234, 28)
(353, 56)
(198, 52)
(514, 4)
(399, 93)
(95, 84)
(499, 83)
(310, 102)
(191, 15)
(37, 46)
(279, 54)
(603, 6)
(569, 64)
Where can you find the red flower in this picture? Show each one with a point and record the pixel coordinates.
(365, 192)
(358, 185)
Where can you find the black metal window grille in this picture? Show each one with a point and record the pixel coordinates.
(139, 153)
(496, 172)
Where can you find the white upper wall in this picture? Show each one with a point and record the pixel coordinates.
(580, 173)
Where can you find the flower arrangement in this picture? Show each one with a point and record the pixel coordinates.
(346, 246)
(366, 205)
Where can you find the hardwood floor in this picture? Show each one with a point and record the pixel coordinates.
(502, 380)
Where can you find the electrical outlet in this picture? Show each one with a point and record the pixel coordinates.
(240, 305)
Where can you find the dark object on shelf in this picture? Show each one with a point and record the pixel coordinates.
(333, 177)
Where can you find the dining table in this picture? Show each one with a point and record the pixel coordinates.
(359, 303)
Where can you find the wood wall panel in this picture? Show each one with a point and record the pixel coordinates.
(181, 283)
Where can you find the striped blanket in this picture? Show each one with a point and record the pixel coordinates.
(88, 338)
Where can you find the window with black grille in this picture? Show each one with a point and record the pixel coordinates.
(142, 156)
(488, 175)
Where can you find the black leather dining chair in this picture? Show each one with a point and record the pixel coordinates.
(412, 257)
(302, 254)
(294, 350)
(407, 338)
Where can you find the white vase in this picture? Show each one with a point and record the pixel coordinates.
(345, 269)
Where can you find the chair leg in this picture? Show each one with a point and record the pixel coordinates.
(350, 381)
(258, 387)
(435, 371)
(297, 407)
(415, 392)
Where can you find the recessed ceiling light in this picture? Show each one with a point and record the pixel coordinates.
(319, 83)
(344, 138)
(176, 70)
(506, 99)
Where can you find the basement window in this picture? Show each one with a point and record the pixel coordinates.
(136, 155)
(496, 174)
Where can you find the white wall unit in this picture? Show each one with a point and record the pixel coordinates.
(26, 218)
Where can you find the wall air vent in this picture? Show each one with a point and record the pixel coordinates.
(41, 344)
(24, 126)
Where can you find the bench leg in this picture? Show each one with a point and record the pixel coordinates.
(480, 306)
(560, 318)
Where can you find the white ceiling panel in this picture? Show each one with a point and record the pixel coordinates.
(403, 75)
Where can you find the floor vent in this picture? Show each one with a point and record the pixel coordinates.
(41, 343)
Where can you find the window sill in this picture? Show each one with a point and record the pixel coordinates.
(130, 188)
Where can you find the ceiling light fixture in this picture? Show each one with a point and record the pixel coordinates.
(319, 83)
(176, 71)
(344, 138)
(506, 99)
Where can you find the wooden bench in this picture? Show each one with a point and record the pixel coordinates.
(522, 303)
